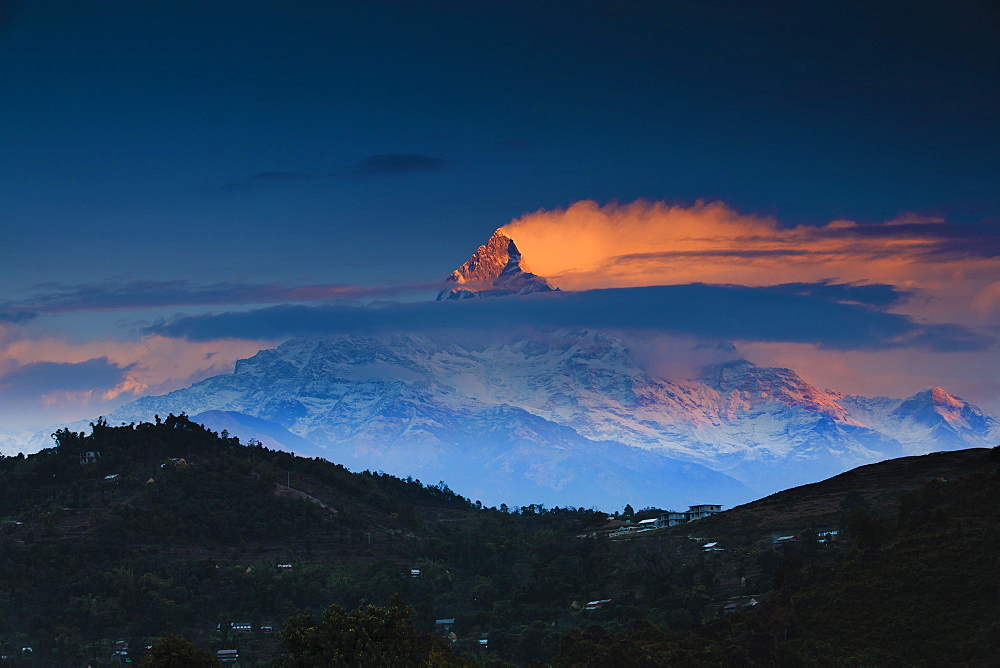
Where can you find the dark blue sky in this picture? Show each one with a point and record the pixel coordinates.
(212, 140)
(158, 154)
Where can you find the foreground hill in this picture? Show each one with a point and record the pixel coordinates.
(822, 504)
(921, 591)
(135, 531)
(909, 578)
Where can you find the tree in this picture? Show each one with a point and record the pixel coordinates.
(868, 530)
(172, 651)
(628, 511)
(368, 636)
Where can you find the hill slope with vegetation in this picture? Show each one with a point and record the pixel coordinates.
(136, 531)
(913, 582)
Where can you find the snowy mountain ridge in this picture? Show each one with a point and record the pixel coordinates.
(412, 404)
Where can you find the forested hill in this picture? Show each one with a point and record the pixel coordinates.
(917, 586)
(137, 531)
(209, 486)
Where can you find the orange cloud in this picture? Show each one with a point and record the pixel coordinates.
(589, 246)
(154, 365)
(68, 401)
(155, 360)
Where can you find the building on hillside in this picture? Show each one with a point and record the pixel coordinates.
(174, 461)
(740, 604)
(596, 605)
(119, 652)
(227, 655)
(89, 457)
(704, 510)
(444, 625)
(672, 518)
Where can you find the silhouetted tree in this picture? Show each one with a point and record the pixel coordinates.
(172, 651)
(368, 636)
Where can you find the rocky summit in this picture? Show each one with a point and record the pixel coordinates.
(496, 269)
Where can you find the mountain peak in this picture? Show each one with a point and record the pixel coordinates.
(935, 415)
(742, 377)
(934, 404)
(942, 398)
(936, 398)
(495, 269)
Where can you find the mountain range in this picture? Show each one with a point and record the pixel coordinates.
(558, 417)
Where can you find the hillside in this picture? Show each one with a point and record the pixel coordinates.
(822, 504)
(169, 527)
(138, 530)
(905, 582)
(922, 591)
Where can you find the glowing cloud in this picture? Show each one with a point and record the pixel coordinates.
(653, 243)
(50, 379)
(939, 272)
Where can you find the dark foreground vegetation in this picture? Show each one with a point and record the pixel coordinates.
(170, 543)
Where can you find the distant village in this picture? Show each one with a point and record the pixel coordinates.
(666, 519)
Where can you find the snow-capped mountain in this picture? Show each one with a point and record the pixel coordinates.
(441, 410)
(12, 443)
(562, 418)
(929, 417)
(554, 414)
(496, 269)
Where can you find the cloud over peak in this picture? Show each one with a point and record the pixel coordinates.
(587, 245)
(121, 293)
(828, 315)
